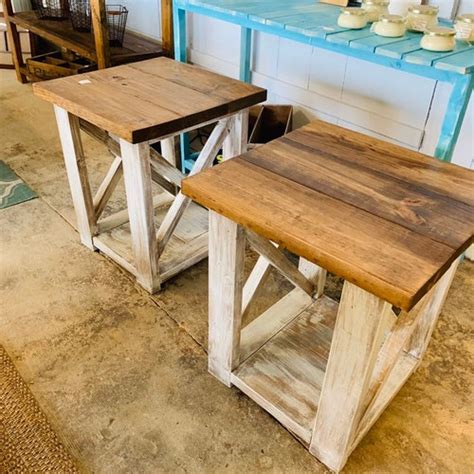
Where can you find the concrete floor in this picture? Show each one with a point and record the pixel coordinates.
(123, 375)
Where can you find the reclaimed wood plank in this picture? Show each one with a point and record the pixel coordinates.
(226, 262)
(321, 27)
(254, 283)
(399, 49)
(76, 168)
(279, 260)
(180, 204)
(137, 176)
(329, 170)
(280, 16)
(371, 43)
(272, 321)
(358, 334)
(422, 334)
(286, 374)
(408, 165)
(62, 34)
(427, 58)
(462, 63)
(188, 96)
(418, 207)
(347, 37)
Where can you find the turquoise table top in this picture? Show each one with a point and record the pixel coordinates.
(316, 23)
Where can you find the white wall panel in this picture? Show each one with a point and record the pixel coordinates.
(371, 133)
(294, 63)
(327, 73)
(265, 54)
(215, 38)
(389, 93)
(144, 16)
(319, 104)
(214, 64)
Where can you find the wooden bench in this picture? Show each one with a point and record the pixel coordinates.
(391, 222)
(128, 108)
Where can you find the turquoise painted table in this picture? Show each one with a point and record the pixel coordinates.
(310, 22)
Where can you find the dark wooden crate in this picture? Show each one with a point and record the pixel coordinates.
(56, 64)
(268, 122)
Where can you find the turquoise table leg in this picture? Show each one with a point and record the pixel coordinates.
(245, 53)
(179, 29)
(180, 54)
(456, 110)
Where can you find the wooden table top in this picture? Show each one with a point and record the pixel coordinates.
(385, 218)
(149, 99)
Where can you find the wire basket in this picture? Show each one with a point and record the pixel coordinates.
(51, 9)
(80, 14)
(117, 21)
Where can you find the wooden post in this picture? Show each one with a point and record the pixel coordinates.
(168, 151)
(420, 338)
(316, 274)
(356, 342)
(108, 185)
(137, 175)
(167, 42)
(226, 263)
(179, 35)
(236, 142)
(181, 202)
(70, 135)
(101, 33)
(14, 39)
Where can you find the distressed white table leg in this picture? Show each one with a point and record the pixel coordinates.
(236, 142)
(70, 135)
(314, 273)
(357, 339)
(168, 151)
(420, 338)
(137, 176)
(226, 263)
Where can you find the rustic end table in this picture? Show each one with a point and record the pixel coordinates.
(128, 108)
(392, 223)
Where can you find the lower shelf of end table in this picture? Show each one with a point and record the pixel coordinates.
(285, 375)
(187, 246)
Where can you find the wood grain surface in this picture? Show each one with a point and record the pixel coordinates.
(149, 99)
(61, 33)
(387, 219)
(287, 373)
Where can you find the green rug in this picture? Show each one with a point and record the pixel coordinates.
(12, 189)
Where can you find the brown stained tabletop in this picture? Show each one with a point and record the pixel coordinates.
(385, 218)
(149, 99)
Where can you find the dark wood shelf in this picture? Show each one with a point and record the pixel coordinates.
(61, 33)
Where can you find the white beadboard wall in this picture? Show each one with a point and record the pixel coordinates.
(382, 102)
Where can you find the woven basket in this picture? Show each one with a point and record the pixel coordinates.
(117, 21)
(51, 9)
(80, 14)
